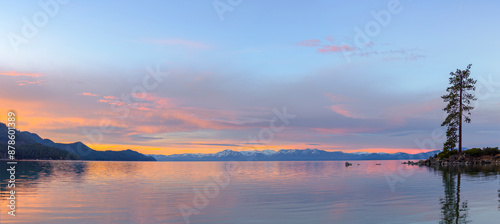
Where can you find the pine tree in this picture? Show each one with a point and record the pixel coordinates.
(459, 106)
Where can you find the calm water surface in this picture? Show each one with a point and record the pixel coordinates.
(251, 192)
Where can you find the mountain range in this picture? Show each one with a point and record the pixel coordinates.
(31, 146)
(291, 155)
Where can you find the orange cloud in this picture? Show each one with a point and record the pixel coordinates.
(143, 108)
(140, 148)
(147, 109)
(110, 97)
(25, 83)
(155, 100)
(186, 122)
(88, 94)
(112, 102)
(14, 73)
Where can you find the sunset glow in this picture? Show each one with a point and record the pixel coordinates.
(171, 82)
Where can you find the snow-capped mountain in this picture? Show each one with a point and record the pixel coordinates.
(291, 155)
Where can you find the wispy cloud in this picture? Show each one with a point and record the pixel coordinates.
(310, 43)
(336, 48)
(340, 109)
(88, 94)
(340, 105)
(215, 144)
(366, 50)
(326, 48)
(110, 97)
(345, 131)
(14, 73)
(27, 78)
(26, 83)
(207, 144)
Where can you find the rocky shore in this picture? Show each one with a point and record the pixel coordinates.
(462, 159)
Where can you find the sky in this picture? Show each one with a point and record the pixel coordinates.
(167, 77)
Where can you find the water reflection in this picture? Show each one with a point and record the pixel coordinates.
(258, 192)
(30, 172)
(453, 208)
(452, 211)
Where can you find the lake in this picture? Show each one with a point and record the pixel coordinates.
(250, 192)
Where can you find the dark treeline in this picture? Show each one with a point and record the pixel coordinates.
(37, 151)
(124, 155)
(474, 152)
(31, 146)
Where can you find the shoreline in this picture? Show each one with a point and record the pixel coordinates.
(462, 159)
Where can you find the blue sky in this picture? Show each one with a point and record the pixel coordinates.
(225, 71)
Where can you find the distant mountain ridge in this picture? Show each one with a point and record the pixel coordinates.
(291, 155)
(26, 140)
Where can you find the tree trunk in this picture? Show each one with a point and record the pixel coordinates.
(457, 206)
(460, 117)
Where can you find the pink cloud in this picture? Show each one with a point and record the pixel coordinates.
(336, 48)
(340, 109)
(14, 73)
(327, 48)
(143, 108)
(143, 102)
(25, 83)
(391, 55)
(110, 97)
(88, 94)
(154, 100)
(112, 102)
(148, 108)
